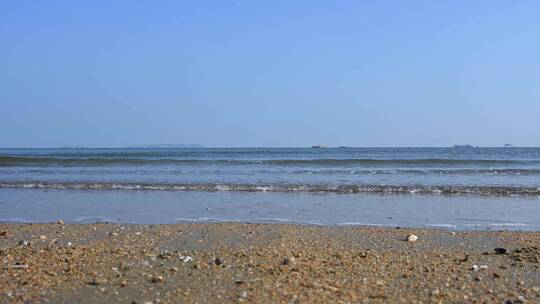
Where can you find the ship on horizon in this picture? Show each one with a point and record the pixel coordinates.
(464, 147)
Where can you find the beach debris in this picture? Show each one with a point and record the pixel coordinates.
(219, 262)
(186, 259)
(164, 254)
(60, 222)
(17, 265)
(24, 243)
(412, 238)
(42, 237)
(98, 281)
(288, 261)
(477, 267)
(156, 279)
(500, 250)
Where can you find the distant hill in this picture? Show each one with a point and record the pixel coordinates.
(165, 146)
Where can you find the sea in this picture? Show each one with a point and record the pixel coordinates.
(459, 188)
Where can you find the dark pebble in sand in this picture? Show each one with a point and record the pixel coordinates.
(288, 261)
(500, 250)
(219, 262)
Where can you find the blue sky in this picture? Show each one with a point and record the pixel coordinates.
(269, 73)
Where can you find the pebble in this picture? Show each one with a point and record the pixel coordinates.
(164, 255)
(412, 238)
(156, 279)
(186, 259)
(60, 222)
(287, 261)
(476, 267)
(500, 250)
(4, 233)
(98, 281)
(24, 243)
(219, 262)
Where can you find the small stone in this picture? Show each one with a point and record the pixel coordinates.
(42, 237)
(412, 238)
(288, 261)
(219, 262)
(123, 284)
(186, 259)
(3, 233)
(24, 243)
(500, 250)
(476, 267)
(164, 255)
(98, 281)
(496, 275)
(156, 279)
(60, 222)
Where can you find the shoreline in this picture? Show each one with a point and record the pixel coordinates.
(263, 263)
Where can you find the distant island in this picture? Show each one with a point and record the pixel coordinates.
(163, 146)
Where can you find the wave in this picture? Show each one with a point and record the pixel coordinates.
(56, 161)
(402, 161)
(109, 161)
(310, 188)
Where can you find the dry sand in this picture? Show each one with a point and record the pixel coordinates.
(264, 263)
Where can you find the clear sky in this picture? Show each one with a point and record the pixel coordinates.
(269, 73)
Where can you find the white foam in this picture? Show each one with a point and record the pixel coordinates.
(364, 224)
(274, 219)
(507, 225)
(447, 226)
(14, 220)
(198, 219)
(97, 219)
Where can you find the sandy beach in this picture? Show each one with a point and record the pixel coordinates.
(264, 263)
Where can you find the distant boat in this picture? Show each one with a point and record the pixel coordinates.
(463, 147)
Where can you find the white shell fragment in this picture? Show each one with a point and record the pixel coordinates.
(186, 259)
(412, 238)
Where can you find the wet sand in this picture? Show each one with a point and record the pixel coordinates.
(264, 263)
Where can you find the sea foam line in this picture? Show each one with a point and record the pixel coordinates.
(311, 188)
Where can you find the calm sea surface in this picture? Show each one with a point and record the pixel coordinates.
(326, 186)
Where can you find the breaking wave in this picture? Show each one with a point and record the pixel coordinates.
(112, 161)
(310, 188)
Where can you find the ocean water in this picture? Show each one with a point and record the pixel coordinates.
(461, 188)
